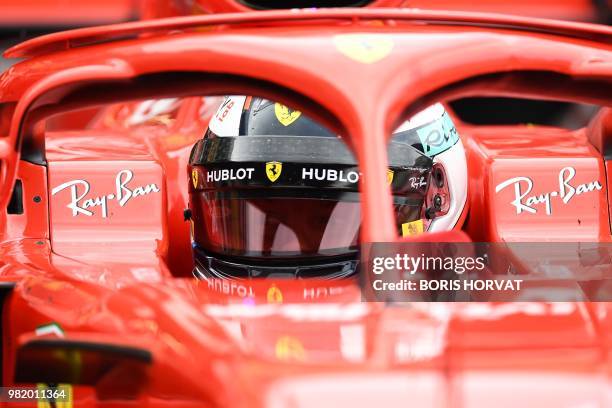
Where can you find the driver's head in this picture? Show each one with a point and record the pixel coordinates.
(274, 194)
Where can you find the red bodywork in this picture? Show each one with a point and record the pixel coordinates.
(71, 13)
(133, 332)
(575, 10)
(66, 13)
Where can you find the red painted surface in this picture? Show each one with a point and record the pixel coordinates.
(34, 222)
(499, 156)
(66, 12)
(577, 10)
(111, 280)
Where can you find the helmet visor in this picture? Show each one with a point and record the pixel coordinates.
(291, 197)
(234, 224)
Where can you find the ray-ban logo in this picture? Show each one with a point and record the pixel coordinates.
(81, 204)
(524, 202)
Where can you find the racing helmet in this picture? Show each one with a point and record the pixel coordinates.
(272, 193)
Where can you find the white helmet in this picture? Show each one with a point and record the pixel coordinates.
(440, 140)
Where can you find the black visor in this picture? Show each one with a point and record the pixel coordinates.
(288, 197)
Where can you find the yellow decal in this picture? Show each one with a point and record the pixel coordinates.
(364, 48)
(274, 295)
(389, 176)
(412, 228)
(289, 348)
(63, 391)
(285, 115)
(273, 170)
(194, 177)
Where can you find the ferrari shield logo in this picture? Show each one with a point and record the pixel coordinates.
(273, 170)
(285, 115)
(194, 178)
(274, 295)
(364, 48)
(389, 176)
(412, 228)
(289, 348)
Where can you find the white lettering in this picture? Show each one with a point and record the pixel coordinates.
(307, 174)
(330, 175)
(74, 199)
(417, 182)
(230, 174)
(123, 194)
(523, 202)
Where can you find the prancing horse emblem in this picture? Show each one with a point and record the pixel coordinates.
(194, 178)
(285, 115)
(273, 170)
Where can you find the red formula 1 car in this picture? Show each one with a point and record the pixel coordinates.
(96, 252)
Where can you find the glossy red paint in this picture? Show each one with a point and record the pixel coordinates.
(103, 195)
(34, 221)
(495, 154)
(62, 13)
(577, 10)
(107, 285)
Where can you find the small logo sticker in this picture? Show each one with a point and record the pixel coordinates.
(412, 228)
(194, 178)
(364, 48)
(274, 295)
(285, 115)
(273, 170)
(417, 182)
(438, 136)
(390, 176)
